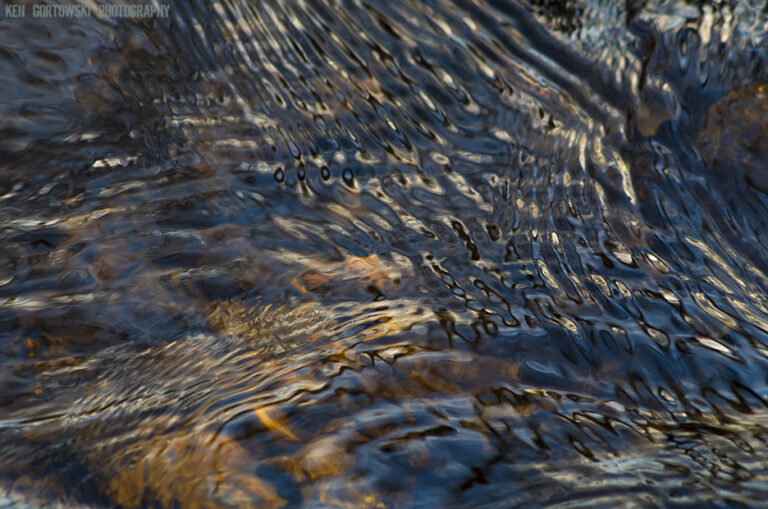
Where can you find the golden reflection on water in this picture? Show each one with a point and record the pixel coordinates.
(377, 254)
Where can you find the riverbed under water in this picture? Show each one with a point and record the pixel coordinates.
(402, 253)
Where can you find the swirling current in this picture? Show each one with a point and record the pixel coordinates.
(401, 253)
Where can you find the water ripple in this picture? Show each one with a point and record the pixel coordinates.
(372, 254)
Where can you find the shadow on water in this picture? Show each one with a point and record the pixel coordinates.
(385, 254)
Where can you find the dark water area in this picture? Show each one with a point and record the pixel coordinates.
(400, 253)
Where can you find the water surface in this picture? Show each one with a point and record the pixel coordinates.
(386, 254)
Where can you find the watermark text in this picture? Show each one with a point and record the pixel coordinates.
(86, 11)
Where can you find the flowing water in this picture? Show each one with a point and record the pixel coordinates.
(402, 253)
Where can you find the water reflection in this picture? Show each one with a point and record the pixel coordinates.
(377, 254)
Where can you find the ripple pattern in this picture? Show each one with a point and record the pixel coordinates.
(440, 253)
